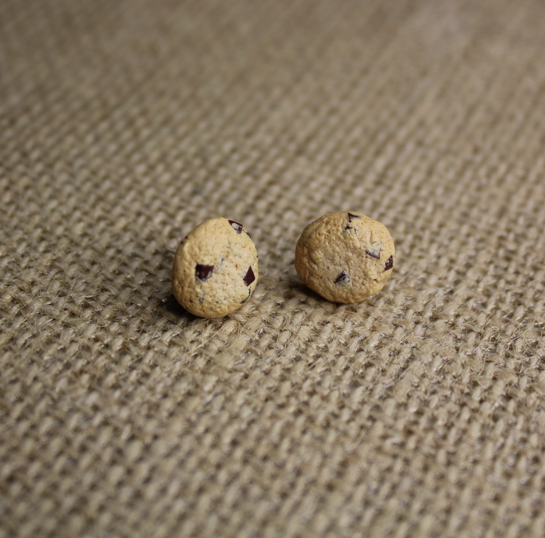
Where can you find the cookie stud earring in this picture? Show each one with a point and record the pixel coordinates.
(345, 257)
(215, 268)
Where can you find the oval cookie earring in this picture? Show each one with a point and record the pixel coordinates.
(215, 268)
(345, 257)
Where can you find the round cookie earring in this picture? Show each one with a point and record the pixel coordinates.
(215, 268)
(345, 257)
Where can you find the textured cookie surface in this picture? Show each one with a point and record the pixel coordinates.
(215, 268)
(345, 257)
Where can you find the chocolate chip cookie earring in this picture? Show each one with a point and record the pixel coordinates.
(215, 268)
(345, 257)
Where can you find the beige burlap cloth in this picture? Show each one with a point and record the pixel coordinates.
(419, 412)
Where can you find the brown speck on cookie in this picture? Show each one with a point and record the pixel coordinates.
(351, 217)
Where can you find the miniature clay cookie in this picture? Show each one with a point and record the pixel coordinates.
(345, 257)
(215, 268)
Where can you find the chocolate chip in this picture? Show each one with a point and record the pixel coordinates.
(343, 278)
(374, 253)
(236, 226)
(249, 277)
(374, 249)
(351, 217)
(389, 263)
(249, 293)
(347, 227)
(203, 272)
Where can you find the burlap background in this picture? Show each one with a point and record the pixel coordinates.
(419, 412)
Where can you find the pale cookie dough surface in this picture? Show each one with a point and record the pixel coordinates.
(345, 257)
(215, 268)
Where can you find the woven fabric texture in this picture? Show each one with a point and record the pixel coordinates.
(419, 412)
